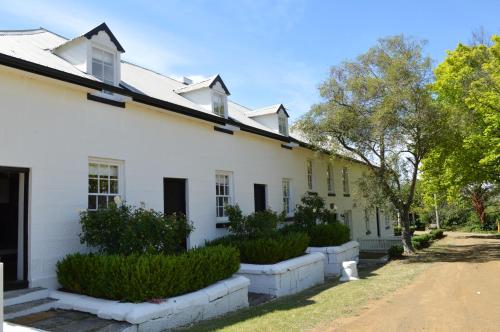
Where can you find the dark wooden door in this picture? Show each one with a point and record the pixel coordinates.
(174, 196)
(9, 225)
(259, 191)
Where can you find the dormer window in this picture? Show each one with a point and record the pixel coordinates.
(219, 104)
(283, 124)
(103, 65)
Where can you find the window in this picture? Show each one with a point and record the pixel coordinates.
(104, 184)
(347, 221)
(223, 193)
(287, 197)
(387, 219)
(310, 175)
(283, 125)
(367, 222)
(218, 105)
(103, 65)
(329, 179)
(345, 180)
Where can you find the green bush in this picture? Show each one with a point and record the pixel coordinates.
(312, 211)
(395, 252)
(323, 235)
(268, 250)
(256, 225)
(437, 234)
(125, 230)
(421, 241)
(138, 278)
(398, 231)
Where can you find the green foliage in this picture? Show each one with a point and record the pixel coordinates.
(379, 108)
(125, 230)
(312, 211)
(437, 234)
(255, 225)
(323, 235)
(139, 278)
(269, 250)
(466, 161)
(395, 252)
(398, 230)
(421, 241)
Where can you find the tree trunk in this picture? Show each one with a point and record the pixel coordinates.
(406, 232)
(478, 204)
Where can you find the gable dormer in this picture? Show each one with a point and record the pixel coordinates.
(97, 53)
(211, 94)
(274, 117)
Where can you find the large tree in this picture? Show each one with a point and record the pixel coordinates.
(379, 109)
(466, 162)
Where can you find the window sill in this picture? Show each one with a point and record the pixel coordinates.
(331, 194)
(347, 195)
(223, 130)
(314, 193)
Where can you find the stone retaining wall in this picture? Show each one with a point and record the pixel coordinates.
(287, 277)
(349, 251)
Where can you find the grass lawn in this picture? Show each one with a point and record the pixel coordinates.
(319, 305)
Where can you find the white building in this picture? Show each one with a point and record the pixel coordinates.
(79, 126)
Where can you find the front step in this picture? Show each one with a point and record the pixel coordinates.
(28, 308)
(24, 295)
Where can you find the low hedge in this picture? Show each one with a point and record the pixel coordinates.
(268, 250)
(421, 241)
(437, 234)
(323, 235)
(395, 252)
(137, 278)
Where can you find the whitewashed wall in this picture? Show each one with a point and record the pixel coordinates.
(53, 129)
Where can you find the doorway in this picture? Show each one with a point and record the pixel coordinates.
(174, 199)
(13, 226)
(260, 200)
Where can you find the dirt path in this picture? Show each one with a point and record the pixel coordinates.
(460, 292)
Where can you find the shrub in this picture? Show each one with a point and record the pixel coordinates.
(421, 241)
(395, 252)
(437, 234)
(312, 211)
(125, 230)
(324, 235)
(398, 231)
(138, 278)
(256, 225)
(268, 250)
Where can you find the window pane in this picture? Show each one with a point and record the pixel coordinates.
(108, 74)
(113, 172)
(107, 58)
(102, 202)
(113, 187)
(103, 186)
(104, 170)
(93, 169)
(97, 69)
(92, 202)
(92, 185)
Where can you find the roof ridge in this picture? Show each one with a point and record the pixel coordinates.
(23, 31)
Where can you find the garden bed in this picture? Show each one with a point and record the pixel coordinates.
(215, 300)
(335, 255)
(286, 277)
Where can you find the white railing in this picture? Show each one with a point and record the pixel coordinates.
(378, 244)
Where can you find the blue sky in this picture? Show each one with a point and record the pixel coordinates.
(267, 52)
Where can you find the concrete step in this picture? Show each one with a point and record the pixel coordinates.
(24, 295)
(28, 308)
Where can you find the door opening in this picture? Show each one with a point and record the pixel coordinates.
(174, 198)
(260, 199)
(13, 226)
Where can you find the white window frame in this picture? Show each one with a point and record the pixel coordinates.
(283, 124)
(287, 196)
(330, 183)
(114, 57)
(229, 196)
(107, 195)
(223, 98)
(345, 181)
(387, 219)
(310, 175)
(367, 221)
